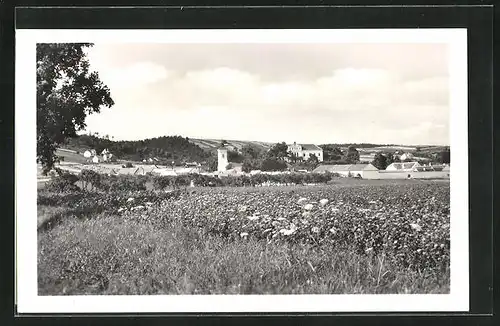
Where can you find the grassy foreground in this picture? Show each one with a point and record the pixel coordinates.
(109, 255)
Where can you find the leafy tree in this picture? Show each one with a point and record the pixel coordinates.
(233, 156)
(279, 151)
(212, 164)
(444, 156)
(271, 164)
(313, 159)
(294, 157)
(250, 152)
(351, 155)
(380, 161)
(67, 91)
(331, 152)
(249, 165)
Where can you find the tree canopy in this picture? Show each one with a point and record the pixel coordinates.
(278, 151)
(67, 91)
(351, 155)
(380, 161)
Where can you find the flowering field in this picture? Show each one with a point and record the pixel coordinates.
(398, 233)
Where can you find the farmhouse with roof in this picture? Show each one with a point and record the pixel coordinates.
(304, 151)
(406, 166)
(365, 171)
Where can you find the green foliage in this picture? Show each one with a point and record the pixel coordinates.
(122, 182)
(211, 164)
(250, 152)
(313, 159)
(235, 157)
(444, 156)
(273, 164)
(331, 153)
(63, 182)
(351, 155)
(248, 241)
(166, 149)
(67, 91)
(278, 152)
(380, 161)
(90, 179)
(249, 165)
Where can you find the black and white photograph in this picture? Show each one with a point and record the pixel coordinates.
(246, 165)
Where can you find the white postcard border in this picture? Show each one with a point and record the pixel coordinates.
(26, 191)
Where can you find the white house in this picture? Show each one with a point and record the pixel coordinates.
(404, 166)
(406, 156)
(304, 151)
(87, 154)
(365, 171)
(95, 159)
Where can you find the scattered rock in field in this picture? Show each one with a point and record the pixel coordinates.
(301, 201)
(242, 209)
(308, 207)
(323, 202)
(253, 218)
(131, 199)
(416, 227)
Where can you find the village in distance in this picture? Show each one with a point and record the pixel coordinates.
(176, 155)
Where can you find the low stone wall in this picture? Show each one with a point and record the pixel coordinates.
(414, 175)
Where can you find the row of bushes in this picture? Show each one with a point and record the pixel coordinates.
(91, 180)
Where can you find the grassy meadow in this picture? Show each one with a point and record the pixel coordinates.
(246, 240)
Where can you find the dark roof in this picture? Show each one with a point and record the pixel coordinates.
(309, 147)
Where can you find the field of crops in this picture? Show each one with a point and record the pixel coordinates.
(398, 232)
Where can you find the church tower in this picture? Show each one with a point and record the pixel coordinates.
(222, 161)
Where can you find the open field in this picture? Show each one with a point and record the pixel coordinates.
(377, 236)
(213, 144)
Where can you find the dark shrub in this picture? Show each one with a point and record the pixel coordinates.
(273, 165)
(90, 179)
(63, 182)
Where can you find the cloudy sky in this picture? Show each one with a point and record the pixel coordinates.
(309, 93)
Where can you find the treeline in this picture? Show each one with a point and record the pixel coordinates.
(90, 181)
(167, 148)
(357, 145)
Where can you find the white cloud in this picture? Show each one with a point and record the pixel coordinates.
(354, 103)
(133, 76)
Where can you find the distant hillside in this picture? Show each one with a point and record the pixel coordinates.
(213, 144)
(172, 148)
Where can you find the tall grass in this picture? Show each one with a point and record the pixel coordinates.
(107, 255)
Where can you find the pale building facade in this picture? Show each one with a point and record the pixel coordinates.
(304, 151)
(365, 171)
(222, 160)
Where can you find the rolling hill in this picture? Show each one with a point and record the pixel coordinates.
(213, 144)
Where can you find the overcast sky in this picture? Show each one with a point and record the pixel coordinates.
(309, 93)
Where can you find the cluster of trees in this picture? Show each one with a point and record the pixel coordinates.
(383, 160)
(166, 149)
(335, 155)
